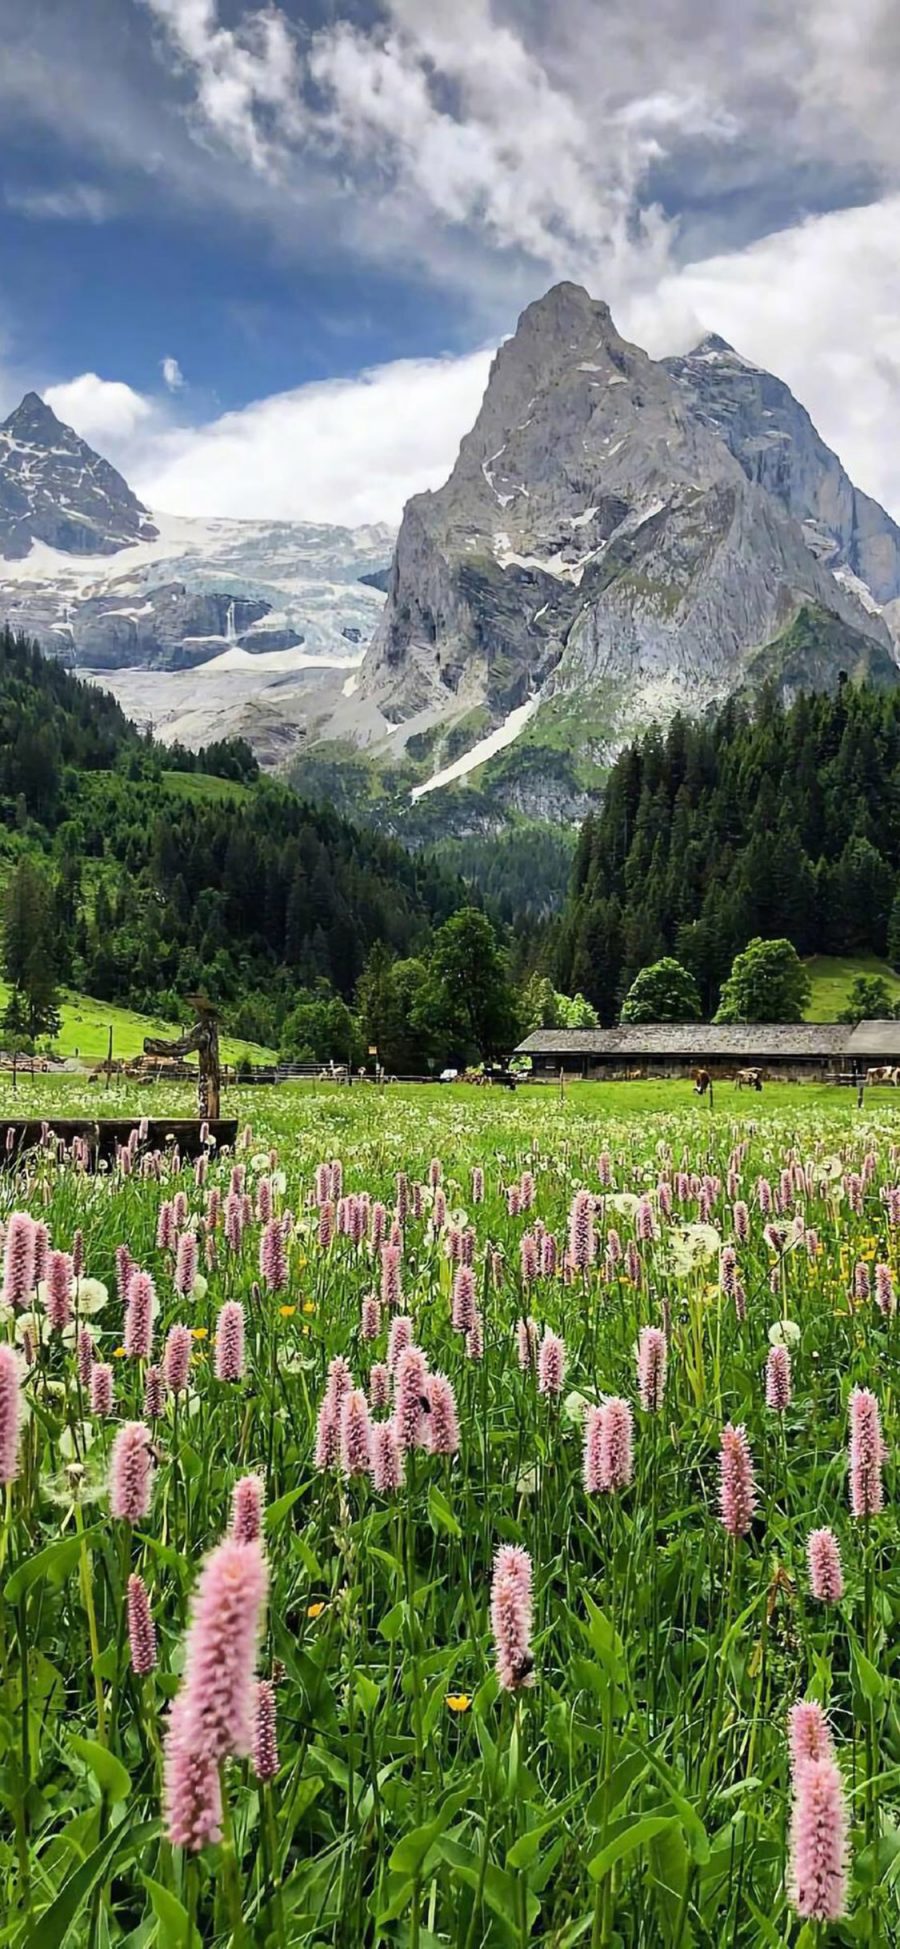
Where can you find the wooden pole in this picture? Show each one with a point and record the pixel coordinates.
(109, 1057)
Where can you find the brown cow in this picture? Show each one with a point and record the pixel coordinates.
(748, 1079)
(702, 1081)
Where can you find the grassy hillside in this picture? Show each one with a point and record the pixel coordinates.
(86, 1025)
(832, 977)
(202, 788)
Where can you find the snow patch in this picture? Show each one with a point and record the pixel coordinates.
(486, 748)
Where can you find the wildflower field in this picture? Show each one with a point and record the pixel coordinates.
(453, 1520)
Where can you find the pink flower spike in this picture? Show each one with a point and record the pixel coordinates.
(551, 1364)
(464, 1306)
(651, 1366)
(356, 1434)
(328, 1435)
(737, 1488)
(102, 1388)
(616, 1444)
(826, 1577)
(192, 1794)
(511, 1627)
(247, 1506)
(141, 1629)
(130, 1473)
(817, 1873)
(18, 1260)
(10, 1413)
(154, 1394)
(388, 1472)
(809, 1735)
(273, 1257)
(177, 1358)
(409, 1393)
(216, 1698)
(512, 1561)
(778, 1379)
(582, 1241)
(866, 1454)
(443, 1424)
(138, 1335)
(379, 1386)
(59, 1290)
(265, 1742)
(230, 1342)
(399, 1338)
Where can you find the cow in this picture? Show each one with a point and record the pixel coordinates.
(748, 1079)
(882, 1073)
(702, 1081)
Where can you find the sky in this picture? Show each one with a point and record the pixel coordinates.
(260, 255)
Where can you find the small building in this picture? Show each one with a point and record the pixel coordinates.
(796, 1052)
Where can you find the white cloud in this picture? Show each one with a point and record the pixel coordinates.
(248, 78)
(347, 450)
(106, 412)
(172, 374)
(69, 203)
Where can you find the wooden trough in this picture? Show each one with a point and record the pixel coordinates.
(104, 1134)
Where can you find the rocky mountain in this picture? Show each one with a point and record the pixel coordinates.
(774, 439)
(55, 489)
(200, 627)
(605, 552)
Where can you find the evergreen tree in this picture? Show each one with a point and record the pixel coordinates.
(29, 949)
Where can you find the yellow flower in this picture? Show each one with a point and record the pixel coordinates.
(120, 1354)
(314, 1610)
(199, 1332)
(287, 1312)
(309, 1306)
(458, 1701)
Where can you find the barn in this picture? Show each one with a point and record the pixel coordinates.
(792, 1052)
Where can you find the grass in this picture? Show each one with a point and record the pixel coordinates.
(832, 977)
(203, 787)
(599, 1755)
(86, 1024)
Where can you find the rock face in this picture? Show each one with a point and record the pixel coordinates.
(178, 628)
(105, 586)
(774, 439)
(600, 538)
(55, 489)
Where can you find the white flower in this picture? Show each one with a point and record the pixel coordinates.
(784, 1333)
(692, 1246)
(91, 1295)
(35, 1326)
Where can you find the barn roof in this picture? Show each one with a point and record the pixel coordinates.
(875, 1039)
(741, 1041)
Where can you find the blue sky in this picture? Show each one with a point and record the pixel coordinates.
(323, 215)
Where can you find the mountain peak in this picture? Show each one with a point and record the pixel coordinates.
(32, 417)
(566, 307)
(55, 489)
